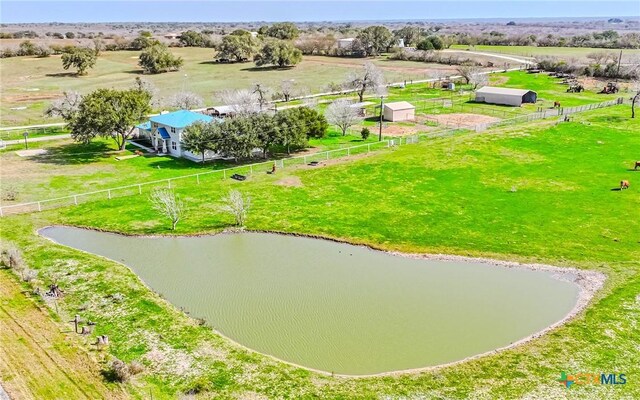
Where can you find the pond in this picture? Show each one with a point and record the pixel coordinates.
(337, 307)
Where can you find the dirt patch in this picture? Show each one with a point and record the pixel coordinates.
(390, 129)
(290, 181)
(460, 119)
(30, 97)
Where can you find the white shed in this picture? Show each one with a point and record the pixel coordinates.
(505, 96)
(346, 43)
(399, 111)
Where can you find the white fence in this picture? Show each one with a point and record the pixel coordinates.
(263, 167)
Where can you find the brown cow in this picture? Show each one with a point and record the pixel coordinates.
(624, 184)
(556, 104)
(637, 165)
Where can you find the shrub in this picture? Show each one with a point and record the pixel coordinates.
(365, 133)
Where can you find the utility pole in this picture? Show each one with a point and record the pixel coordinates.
(381, 115)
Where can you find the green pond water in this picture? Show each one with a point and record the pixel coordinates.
(337, 307)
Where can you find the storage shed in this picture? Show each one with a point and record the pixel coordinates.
(399, 111)
(505, 96)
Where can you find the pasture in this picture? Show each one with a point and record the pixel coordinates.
(33, 82)
(579, 53)
(541, 192)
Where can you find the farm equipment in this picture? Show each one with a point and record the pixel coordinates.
(575, 88)
(610, 88)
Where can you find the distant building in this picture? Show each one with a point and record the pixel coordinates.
(399, 111)
(346, 43)
(164, 131)
(505, 96)
(172, 36)
(254, 34)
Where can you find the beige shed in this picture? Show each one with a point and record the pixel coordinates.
(399, 111)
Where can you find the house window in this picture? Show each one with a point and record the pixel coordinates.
(173, 130)
(174, 145)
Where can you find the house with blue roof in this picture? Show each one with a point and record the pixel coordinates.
(164, 131)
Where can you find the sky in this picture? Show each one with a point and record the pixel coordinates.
(12, 11)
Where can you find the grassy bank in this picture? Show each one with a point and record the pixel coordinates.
(541, 192)
(533, 51)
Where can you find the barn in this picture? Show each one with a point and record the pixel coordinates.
(505, 96)
(399, 111)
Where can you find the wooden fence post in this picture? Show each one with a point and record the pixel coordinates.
(139, 189)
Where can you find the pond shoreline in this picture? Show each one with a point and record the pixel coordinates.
(588, 282)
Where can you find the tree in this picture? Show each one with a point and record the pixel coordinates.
(290, 130)
(238, 139)
(478, 80)
(431, 43)
(374, 40)
(261, 94)
(70, 35)
(287, 89)
(79, 58)
(65, 107)
(370, 79)
(143, 41)
(241, 101)
(313, 123)
(341, 114)
(365, 133)
(147, 86)
(468, 71)
(200, 137)
(237, 48)
(237, 205)
(167, 204)
(193, 39)
(282, 30)
(266, 131)
(157, 58)
(185, 100)
(109, 113)
(279, 53)
(409, 34)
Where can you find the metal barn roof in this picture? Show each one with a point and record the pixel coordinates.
(180, 119)
(501, 90)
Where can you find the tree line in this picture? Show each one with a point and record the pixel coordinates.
(239, 136)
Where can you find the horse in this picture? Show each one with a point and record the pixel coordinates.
(556, 104)
(624, 184)
(637, 165)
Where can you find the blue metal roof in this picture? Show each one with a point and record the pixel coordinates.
(163, 132)
(180, 119)
(145, 125)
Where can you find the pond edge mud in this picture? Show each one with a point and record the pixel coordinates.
(589, 282)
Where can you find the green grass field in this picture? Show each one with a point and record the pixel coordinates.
(32, 82)
(562, 52)
(537, 193)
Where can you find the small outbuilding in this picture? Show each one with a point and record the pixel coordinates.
(505, 96)
(399, 111)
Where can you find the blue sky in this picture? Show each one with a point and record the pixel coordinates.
(302, 10)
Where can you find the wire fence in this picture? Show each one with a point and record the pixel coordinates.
(311, 160)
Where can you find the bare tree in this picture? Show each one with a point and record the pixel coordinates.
(467, 71)
(241, 101)
(167, 203)
(261, 93)
(478, 80)
(288, 89)
(147, 86)
(186, 100)
(369, 80)
(237, 205)
(65, 106)
(341, 114)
